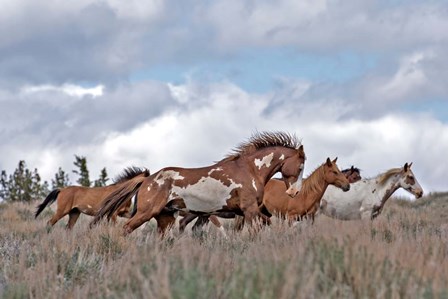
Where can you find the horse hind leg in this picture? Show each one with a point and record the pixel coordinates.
(72, 218)
(165, 222)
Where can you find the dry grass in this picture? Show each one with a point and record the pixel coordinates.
(402, 254)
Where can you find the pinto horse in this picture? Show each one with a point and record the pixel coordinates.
(235, 183)
(353, 174)
(367, 197)
(74, 200)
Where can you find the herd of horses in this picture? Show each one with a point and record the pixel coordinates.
(240, 186)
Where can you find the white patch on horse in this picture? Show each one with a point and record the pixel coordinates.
(254, 185)
(167, 174)
(282, 157)
(207, 195)
(89, 206)
(265, 161)
(214, 169)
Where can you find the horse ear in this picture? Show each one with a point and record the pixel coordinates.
(328, 162)
(410, 164)
(352, 168)
(335, 159)
(301, 147)
(406, 166)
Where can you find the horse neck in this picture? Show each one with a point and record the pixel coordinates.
(313, 187)
(266, 162)
(385, 190)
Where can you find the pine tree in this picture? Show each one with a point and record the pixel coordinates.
(22, 185)
(4, 186)
(83, 172)
(102, 181)
(60, 180)
(38, 189)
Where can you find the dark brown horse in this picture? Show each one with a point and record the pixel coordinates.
(235, 183)
(353, 174)
(74, 200)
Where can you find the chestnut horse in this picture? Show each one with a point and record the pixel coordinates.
(235, 183)
(353, 174)
(367, 197)
(74, 200)
(306, 202)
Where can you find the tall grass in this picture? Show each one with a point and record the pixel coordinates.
(402, 254)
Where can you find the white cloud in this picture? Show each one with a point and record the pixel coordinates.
(69, 89)
(224, 115)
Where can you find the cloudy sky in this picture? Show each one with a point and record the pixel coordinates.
(180, 83)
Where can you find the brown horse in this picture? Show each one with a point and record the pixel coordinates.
(353, 174)
(306, 203)
(74, 200)
(235, 183)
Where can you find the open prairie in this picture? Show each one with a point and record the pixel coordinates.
(401, 254)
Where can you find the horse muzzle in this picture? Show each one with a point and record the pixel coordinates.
(418, 193)
(292, 191)
(345, 188)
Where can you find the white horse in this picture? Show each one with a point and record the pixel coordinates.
(366, 198)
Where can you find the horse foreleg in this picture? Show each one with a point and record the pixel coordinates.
(72, 218)
(251, 211)
(185, 221)
(213, 219)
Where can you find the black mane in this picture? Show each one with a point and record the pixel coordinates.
(129, 173)
(264, 139)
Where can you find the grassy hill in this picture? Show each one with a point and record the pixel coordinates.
(402, 254)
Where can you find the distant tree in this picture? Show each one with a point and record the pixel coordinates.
(83, 172)
(23, 184)
(60, 180)
(4, 186)
(102, 181)
(38, 189)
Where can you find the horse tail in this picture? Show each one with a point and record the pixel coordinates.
(48, 201)
(117, 198)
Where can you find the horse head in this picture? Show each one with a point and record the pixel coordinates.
(409, 182)
(292, 172)
(334, 176)
(353, 174)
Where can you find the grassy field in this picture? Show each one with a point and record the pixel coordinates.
(402, 254)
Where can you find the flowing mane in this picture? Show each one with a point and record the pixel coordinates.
(129, 173)
(385, 176)
(311, 183)
(262, 140)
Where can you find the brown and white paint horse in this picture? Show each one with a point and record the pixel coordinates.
(74, 200)
(366, 198)
(235, 183)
